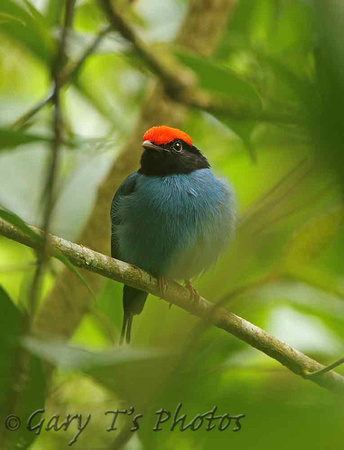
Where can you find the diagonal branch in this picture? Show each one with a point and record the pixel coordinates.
(90, 260)
(175, 79)
(180, 85)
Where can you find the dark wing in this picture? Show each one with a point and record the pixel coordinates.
(126, 188)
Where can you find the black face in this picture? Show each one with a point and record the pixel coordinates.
(176, 157)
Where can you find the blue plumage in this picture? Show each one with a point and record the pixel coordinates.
(172, 217)
(174, 226)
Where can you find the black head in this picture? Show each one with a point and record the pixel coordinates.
(175, 156)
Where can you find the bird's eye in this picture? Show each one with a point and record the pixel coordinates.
(177, 147)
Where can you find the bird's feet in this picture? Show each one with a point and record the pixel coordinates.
(162, 285)
(194, 295)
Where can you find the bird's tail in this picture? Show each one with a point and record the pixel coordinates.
(133, 303)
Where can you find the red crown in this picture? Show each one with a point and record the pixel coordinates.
(164, 134)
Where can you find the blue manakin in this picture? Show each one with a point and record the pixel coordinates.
(172, 217)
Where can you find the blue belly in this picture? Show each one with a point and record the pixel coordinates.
(174, 226)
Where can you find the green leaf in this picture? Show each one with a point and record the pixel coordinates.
(34, 12)
(22, 377)
(15, 220)
(301, 88)
(123, 370)
(4, 18)
(13, 138)
(217, 78)
(52, 12)
(10, 138)
(10, 332)
(27, 30)
(224, 82)
(243, 129)
(69, 357)
(108, 304)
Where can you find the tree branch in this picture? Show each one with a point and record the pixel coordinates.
(175, 80)
(180, 84)
(90, 260)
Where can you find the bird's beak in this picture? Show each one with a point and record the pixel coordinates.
(148, 145)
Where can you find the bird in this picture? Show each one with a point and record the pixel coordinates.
(172, 217)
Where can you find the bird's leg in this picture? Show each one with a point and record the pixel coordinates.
(162, 285)
(194, 295)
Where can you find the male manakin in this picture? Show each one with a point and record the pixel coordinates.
(172, 217)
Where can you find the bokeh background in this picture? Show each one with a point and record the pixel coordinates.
(283, 270)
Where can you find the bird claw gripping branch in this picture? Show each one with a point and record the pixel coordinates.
(194, 294)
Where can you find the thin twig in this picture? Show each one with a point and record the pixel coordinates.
(292, 211)
(265, 199)
(67, 74)
(19, 123)
(281, 190)
(49, 191)
(125, 273)
(325, 369)
(72, 68)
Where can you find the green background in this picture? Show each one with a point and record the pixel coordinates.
(288, 181)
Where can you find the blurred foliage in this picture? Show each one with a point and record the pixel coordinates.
(285, 55)
(28, 392)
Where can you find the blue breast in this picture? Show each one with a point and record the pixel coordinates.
(174, 226)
